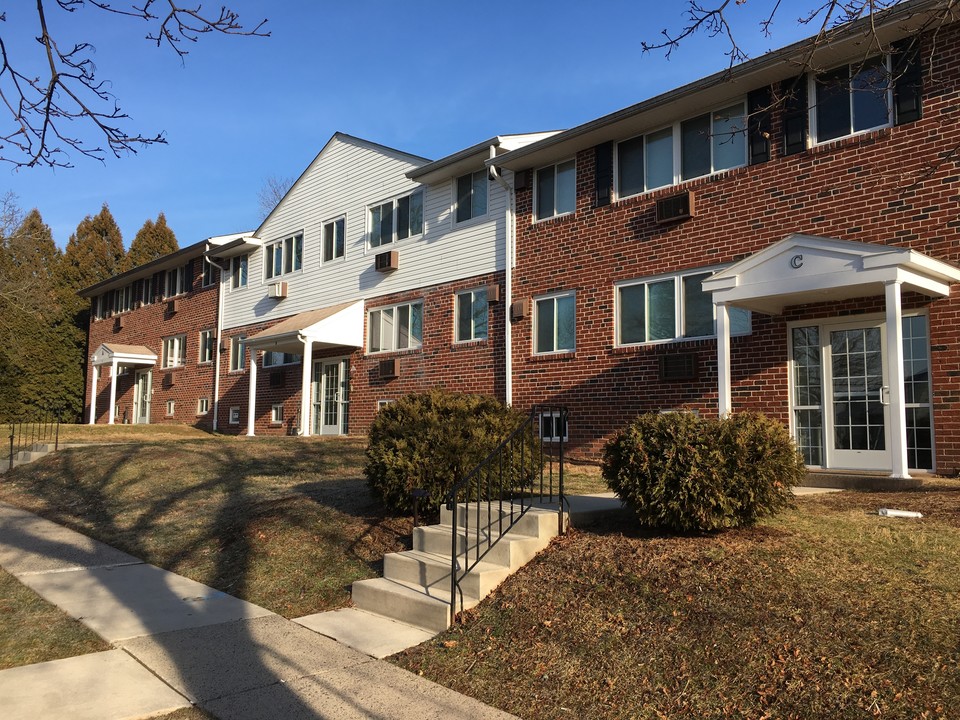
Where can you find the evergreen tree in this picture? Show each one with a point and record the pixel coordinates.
(153, 240)
(94, 252)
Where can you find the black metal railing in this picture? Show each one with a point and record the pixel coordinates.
(525, 471)
(39, 428)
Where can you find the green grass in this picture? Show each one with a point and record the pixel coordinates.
(286, 523)
(33, 630)
(827, 611)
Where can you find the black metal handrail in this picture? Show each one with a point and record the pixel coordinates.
(524, 471)
(40, 428)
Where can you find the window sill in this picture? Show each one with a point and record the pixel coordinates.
(559, 355)
(468, 344)
(383, 354)
(852, 139)
(553, 218)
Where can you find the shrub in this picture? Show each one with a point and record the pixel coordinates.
(680, 472)
(430, 440)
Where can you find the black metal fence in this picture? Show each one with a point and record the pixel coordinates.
(40, 428)
(525, 471)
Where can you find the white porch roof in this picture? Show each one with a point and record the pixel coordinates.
(330, 327)
(804, 269)
(107, 353)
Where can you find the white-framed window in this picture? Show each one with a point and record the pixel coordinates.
(275, 359)
(171, 406)
(554, 324)
(556, 192)
(471, 315)
(174, 351)
(210, 274)
(283, 257)
(333, 239)
(688, 149)
(237, 353)
(233, 417)
(123, 299)
(203, 406)
(146, 291)
(238, 271)
(276, 413)
(176, 281)
(395, 219)
(472, 195)
(851, 99)
(554, 426)
(206, 346)
(397, 327)
(381, 404)
(669, 308)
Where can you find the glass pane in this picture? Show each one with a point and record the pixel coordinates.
(464, 316)
(869, 88)
(545, 325)
(416, 325)
(566, 187)
(479, 193)
(633, 327)
(387, 341)
(739, 321)
(464, 209)
(659, 152)
(386, 223)
(339, 234)
(663, 312)
(695, 147)
(403, 327)
(403, 218)
(833, 104)
(729, 138)
(298, 252)
(630, 167)
(328, 242)
(545, 194)
(566, 323)
(375, 226)
(416, 213)
(374, 321)
(480, 314)
(697, 307)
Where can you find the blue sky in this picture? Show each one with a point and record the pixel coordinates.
(426, 77)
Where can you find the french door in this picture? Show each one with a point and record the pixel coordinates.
(331, 384)
(142, 392)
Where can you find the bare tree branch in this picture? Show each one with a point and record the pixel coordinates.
(42, 111)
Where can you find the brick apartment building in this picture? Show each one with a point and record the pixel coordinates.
(764, 238)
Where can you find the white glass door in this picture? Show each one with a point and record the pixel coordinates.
(330, 387)
(141, 397)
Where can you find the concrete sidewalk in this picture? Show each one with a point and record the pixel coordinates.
(179, 642)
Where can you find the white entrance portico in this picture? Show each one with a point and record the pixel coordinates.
(334, 328)
(118, 356)
(862, 391)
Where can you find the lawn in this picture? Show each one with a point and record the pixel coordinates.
(827, 611)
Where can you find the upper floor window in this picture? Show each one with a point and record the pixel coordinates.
(396, 219)
(555, 324)
(174, 351)
(852, 99)
(284, 256)
(472, 195)
(207, 346)
(123, 299)
(333, 240)
(237, 352)
(399, 327)
(273, 359)
(210, 274)
(670, 308)
(556, 192)
(146, 291)
(238, 271)
(471, 314)
(176, 281)
(705, 144)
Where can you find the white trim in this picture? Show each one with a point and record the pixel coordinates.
(534, 334)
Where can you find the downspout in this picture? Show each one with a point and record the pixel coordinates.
(508, 256)
(219, 343)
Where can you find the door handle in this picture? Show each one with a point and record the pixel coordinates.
(884, 395)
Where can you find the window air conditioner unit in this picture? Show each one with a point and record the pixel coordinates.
(493, 293)
(173, 306)
(676, 207)
(277, 290)
(387, 261)
(389, 369)
(118, 323)
(277, 379)
(519, 309)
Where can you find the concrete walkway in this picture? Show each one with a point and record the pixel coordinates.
(178, 642)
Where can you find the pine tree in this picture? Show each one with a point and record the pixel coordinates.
(153, 240)
(95, 251)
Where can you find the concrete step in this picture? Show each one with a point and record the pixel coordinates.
(26, 456)
(429, 570)
(513, 550)
(427, 608)
(535, 521)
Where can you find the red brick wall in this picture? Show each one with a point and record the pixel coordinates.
(476, 367)
(148, 326)
(898, 186)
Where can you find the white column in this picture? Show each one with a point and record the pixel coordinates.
(113, 391)
(252, 394)
(894, 359)
(724, 398)
(94, 379)
(306, 375)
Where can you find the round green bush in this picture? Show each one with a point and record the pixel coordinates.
(683, 473)
(430, 440)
